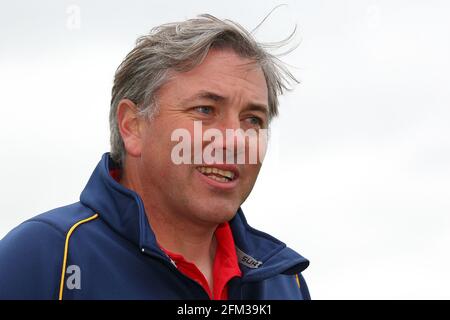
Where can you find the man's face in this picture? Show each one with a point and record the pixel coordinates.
(222, 93)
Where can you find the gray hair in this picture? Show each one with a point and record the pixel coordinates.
(179, 47)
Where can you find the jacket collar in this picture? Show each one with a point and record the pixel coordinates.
(121, 208)
(260, 255)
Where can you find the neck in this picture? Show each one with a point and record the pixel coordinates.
(196, 243)
(193, 240)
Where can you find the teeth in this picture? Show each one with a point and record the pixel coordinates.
(220, 179)
(224, 173)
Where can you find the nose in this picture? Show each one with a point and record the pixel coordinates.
(235, 144)
(229, 121)
(223, 130)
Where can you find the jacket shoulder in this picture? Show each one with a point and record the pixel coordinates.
(31, 255)
(64, 218)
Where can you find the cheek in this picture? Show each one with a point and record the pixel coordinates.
(156, 157)
(251, 173)
(157, 140)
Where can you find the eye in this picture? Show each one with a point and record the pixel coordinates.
(255, 121)
(204, 109)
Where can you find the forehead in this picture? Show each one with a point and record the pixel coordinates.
(224, 71)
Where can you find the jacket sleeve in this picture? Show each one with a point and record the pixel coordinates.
(303, 287)
(30, 261)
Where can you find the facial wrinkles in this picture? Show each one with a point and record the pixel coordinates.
(239, 89)
(240, 82)
(241, 79)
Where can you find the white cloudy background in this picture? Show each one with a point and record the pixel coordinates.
(358, 174)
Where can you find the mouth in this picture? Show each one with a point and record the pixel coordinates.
(223, 174)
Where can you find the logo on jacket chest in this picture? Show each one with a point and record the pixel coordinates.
(247, 260)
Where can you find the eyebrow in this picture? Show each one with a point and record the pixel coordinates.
(208, 95)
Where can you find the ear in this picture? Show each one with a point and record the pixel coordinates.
(129, 127)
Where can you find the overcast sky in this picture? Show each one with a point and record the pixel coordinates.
(357, 178)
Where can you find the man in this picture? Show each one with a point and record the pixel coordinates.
(149, 226)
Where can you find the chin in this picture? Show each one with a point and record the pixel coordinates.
(217, 213)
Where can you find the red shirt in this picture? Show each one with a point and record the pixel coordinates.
(225, 266)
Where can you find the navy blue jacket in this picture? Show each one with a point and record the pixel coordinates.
(103, 248)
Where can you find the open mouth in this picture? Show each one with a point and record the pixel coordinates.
(219, 175)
